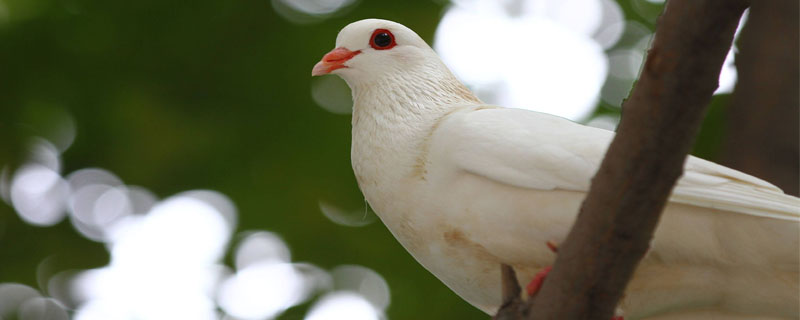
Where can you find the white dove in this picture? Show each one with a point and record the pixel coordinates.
(466, 186)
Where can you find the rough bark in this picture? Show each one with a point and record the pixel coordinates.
(645, 159)
(764, 118)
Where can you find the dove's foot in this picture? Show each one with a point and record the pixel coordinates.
(536, 284)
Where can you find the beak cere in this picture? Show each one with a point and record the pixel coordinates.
(333, 60)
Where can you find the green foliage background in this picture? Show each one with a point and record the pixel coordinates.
(176, 95)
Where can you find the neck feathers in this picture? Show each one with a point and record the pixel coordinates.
(427, 90)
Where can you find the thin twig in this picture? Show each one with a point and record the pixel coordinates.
(512, 301)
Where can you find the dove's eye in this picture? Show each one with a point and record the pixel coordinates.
(382, 39)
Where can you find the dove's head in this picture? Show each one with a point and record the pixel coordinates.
(370, 49)
(389, 62)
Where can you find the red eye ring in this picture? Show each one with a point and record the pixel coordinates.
(382, 39)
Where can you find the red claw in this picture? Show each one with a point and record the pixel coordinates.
(536, 284)
(553, 246)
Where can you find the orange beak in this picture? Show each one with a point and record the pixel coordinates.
(333, 60)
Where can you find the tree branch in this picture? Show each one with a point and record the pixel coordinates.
(645, 159)
(763, 117)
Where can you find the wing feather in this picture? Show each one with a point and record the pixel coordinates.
(539, 151)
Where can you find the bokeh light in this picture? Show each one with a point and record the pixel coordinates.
(728, 75)
(12, 295)
(18, 301)
(263, 290)
(53, 124)
(624, 62)
(38, 194)
(45, 153)
(309, 11)
(219, 202)
(343, 305)
(261, 246)
(41, 308)
(88, 214)
(332, 94)
(164, 265)
(364, 281)
(537, 55)
(266, 283)
(166, 255)
(612, 24)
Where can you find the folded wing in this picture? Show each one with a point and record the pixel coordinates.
(539, 151)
